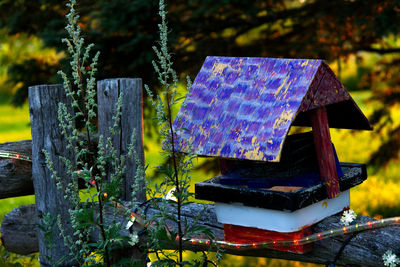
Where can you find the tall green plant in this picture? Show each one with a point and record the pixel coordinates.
(89, 164)
(177, 170)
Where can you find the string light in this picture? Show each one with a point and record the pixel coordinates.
(14, 155)
(309, 239)
(295, 242)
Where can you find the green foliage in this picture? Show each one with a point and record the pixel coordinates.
(48, 221)
(20, 56)
(88, 217)
(8, 259)
(176, 171)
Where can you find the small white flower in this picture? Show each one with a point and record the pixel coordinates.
(170, 195)
(130, 223)
(390, 259)
(134, 238)
(348, 216)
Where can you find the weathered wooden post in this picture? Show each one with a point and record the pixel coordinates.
(47, 135)
(131, 120)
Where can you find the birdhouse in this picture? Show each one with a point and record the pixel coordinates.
(272, 185)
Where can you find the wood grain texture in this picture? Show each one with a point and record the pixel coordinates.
(324, 150)
(365, 249)
(47, 135)
(19, 231)
(16, 175)
(131, 121)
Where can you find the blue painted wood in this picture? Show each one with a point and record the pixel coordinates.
(243, 108)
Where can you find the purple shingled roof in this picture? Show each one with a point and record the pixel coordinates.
(243, 108)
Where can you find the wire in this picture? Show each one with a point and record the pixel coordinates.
(302, 241)
(14, 155)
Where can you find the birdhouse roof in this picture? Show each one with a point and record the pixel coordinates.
(243, 108)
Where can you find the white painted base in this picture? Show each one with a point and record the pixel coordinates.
(281, 221)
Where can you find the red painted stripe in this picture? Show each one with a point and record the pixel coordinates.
(241, 234)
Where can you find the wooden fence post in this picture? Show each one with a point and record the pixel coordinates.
(108, 92)
(47, 135)
(131, 120)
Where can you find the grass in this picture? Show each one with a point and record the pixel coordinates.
(14, 126)
(377, 196)
(14, 123)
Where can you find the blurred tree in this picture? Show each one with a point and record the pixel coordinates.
(124, 31)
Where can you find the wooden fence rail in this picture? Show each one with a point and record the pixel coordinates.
(19, 235)
(16, 175)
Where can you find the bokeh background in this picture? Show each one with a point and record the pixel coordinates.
(359, 39)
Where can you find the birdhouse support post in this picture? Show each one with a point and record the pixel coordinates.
(324, 150)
